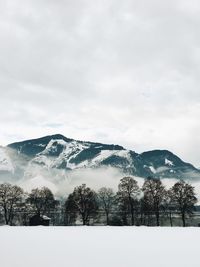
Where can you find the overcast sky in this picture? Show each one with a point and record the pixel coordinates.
(124, 72)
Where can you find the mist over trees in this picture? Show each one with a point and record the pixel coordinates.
(151, 205)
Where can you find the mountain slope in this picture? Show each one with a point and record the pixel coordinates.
(56, 152)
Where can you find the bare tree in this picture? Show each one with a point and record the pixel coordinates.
(82, 201)
(71, 211)
(183, 196)
(169, 206)
(42, 200)
(10, 197)
(154, 193)
(146, 211)
(128, 192)
(106, 197)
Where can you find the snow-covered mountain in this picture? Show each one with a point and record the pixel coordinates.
(60, 155)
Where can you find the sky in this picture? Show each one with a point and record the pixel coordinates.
(123, 72)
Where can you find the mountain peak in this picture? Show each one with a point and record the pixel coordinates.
(58, 136)
(34, 146)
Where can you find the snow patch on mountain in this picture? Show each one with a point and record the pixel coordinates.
(152, 169)
(106, 154)
(69, 151)
(169, 162)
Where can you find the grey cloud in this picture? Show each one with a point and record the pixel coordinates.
(123, 72)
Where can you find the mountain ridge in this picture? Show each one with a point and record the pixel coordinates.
(57, 152)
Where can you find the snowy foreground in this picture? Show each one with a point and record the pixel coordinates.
(99, 247)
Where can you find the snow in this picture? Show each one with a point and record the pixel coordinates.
(52, 145)
(169, 162)
(44, 217)
(152, 169)
(70, 150)
(99, 247)
(108, 153)
(104, 154)
(41, 145)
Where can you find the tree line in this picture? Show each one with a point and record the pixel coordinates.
(130, 205)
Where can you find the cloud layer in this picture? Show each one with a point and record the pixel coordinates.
(124, 72)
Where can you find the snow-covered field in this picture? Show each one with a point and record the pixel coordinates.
(99, 247)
